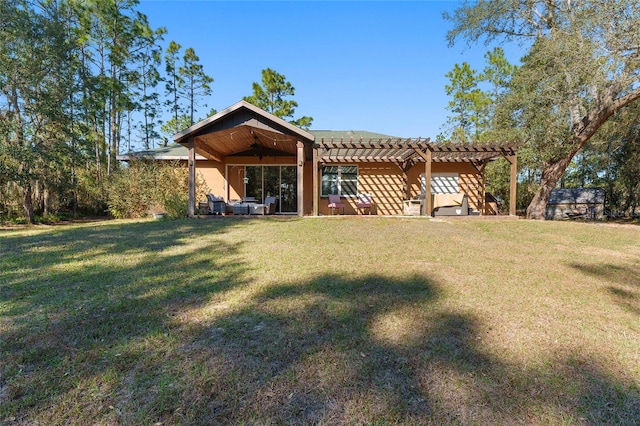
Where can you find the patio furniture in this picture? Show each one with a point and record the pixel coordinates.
(364, 203)
(412, 207)
(241, 208)
(270, 205)
(334, 203)
(216, 204)
(450, 205)
(203, 208)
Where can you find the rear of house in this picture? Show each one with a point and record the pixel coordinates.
(244, 152)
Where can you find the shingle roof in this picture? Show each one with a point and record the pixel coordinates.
(172, 152)
(348, 135)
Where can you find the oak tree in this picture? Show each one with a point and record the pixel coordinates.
(582, 67)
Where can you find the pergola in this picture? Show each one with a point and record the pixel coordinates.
(405, 153)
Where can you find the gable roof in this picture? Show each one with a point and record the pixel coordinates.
(244, 128)
(264, 119)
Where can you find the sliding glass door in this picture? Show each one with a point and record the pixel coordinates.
(273, 181)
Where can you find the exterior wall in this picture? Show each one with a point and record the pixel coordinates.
(385, 182)
(467, 179)
(213, 174)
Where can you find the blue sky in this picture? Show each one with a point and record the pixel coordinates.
(356, 65)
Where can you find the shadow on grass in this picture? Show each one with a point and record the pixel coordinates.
(625, 283)
(372, 349)
(70, 317)
(119, 342)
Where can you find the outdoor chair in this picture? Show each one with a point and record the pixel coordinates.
(364, 203)
(334, 203)
(270, 205)
(216, 204)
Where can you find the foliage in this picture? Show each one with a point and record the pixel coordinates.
(581, 68)
(195, 83)
(186, 82)
(171, 126)
(469, 103)
(77, 80)
(271, 98)
(149, 187)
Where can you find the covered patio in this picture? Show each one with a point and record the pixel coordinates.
(244, 136)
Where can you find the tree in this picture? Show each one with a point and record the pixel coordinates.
(469, 103)
(67, 76)
(582, 67)
(146, 78)
(498, 74)
(173, 80)
(194, 83)
(271, 98)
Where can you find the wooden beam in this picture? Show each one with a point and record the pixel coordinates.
(300, 164)
(191, 209)
(208, 152)
(316, 184)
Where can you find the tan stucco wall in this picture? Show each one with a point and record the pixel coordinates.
(467, 178)
(383, 180)
(213, 174)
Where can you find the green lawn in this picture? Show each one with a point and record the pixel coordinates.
(330, 320)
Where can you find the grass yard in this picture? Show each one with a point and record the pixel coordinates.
(346, 320)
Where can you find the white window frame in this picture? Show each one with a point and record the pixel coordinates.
(441, 183)
(340, 180)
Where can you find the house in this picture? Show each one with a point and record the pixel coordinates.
(243, 151)
(567, 203)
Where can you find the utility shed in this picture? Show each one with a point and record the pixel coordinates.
(568, 203)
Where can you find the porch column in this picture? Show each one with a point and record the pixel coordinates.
(482, 186)
(483, 190)
(300, 146)
(513, 183)
(316, 192)
(427, 183)
(191, 210)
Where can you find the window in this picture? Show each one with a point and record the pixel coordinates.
(441, 183)
(341, 180)
(273, 181)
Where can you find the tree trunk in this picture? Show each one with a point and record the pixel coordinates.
(28, 204)
(582, 132)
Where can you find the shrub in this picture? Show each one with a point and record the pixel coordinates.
(147, 187)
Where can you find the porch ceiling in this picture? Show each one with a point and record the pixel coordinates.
(219, 144)
(409, 151)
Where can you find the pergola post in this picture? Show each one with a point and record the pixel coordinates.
(427, 183)
(316, 191)
(483, 190)
(191, 209)
(513, 183)
(300, 164)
